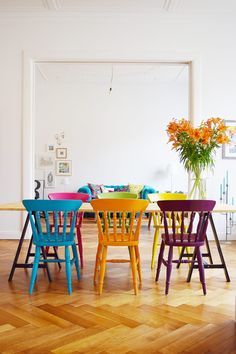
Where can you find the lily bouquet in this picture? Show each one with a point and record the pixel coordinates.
(197, 147)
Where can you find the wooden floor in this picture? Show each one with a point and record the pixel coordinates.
(51, 321)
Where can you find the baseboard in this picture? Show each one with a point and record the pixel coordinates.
(12, 235)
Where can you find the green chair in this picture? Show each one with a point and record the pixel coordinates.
(117, 195)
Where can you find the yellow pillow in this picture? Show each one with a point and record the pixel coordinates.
(135, 188)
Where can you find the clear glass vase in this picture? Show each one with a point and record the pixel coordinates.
(198, 186)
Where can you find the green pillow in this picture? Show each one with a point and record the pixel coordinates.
(135, 188)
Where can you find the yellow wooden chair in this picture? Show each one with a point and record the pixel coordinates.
(157, 217)
(118, 236)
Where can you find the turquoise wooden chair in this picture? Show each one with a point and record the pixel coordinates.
(41, 212)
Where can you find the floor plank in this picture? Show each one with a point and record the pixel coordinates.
(117, 322)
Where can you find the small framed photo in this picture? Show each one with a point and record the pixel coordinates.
(45, 161)
(50, 148)
(229, 150)
(63, 168)
(61, 153)
(49, 177)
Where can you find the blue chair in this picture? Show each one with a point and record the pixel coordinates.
(41, 212)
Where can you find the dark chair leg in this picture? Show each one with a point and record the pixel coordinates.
(201, 270)
(160, 258)
(168, 269)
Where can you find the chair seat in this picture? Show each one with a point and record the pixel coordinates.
(184, 241)
(54, 239)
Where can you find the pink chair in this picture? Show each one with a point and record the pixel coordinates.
(79, 217)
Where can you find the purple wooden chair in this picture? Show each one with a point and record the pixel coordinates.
(193, 217)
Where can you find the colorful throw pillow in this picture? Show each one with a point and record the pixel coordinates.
(135, 188)
(122, 189)
(107, 189)
(95, 189)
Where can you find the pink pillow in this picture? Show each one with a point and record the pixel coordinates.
(95, 189)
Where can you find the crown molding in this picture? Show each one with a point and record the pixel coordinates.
(52, 5)
(171, 5)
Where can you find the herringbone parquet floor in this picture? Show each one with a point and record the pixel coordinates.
(51, 321)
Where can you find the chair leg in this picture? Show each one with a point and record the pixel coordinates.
(154, 247)
(138, 264)
(160, 259)
(201, 270)
(68, 269)
(76, 258)
(102, 269)
(149, 220)
(80, 246)
(168, 269)
(34, 269)
(134, 268)
(97, 262)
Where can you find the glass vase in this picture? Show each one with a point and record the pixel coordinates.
(198, 186)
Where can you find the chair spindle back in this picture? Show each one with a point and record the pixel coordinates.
(191, 217)
(42, 211)
(127, 218)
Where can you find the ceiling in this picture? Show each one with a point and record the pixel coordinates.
(185, 7)
(113, 74)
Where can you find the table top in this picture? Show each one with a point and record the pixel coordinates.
(87, 207)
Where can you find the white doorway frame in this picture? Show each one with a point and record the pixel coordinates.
(28, 99)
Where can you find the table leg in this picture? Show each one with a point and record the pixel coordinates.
(208, 250)
(19, 248)
(190, 272)
(219, 248)
(29, 254)
(211, 265)
(29, 250)
(46, 263)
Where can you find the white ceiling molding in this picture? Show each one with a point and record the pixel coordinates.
(42, 73)
(171, 5)
(53, 5)
(181, 71)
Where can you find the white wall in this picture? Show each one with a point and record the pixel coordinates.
(111, 36)
(115, 137)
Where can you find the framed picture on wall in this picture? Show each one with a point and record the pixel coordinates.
(49, 178)
(50, 148)
(63, 168)
(229, 150)
(61, 153)
(45, 161)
